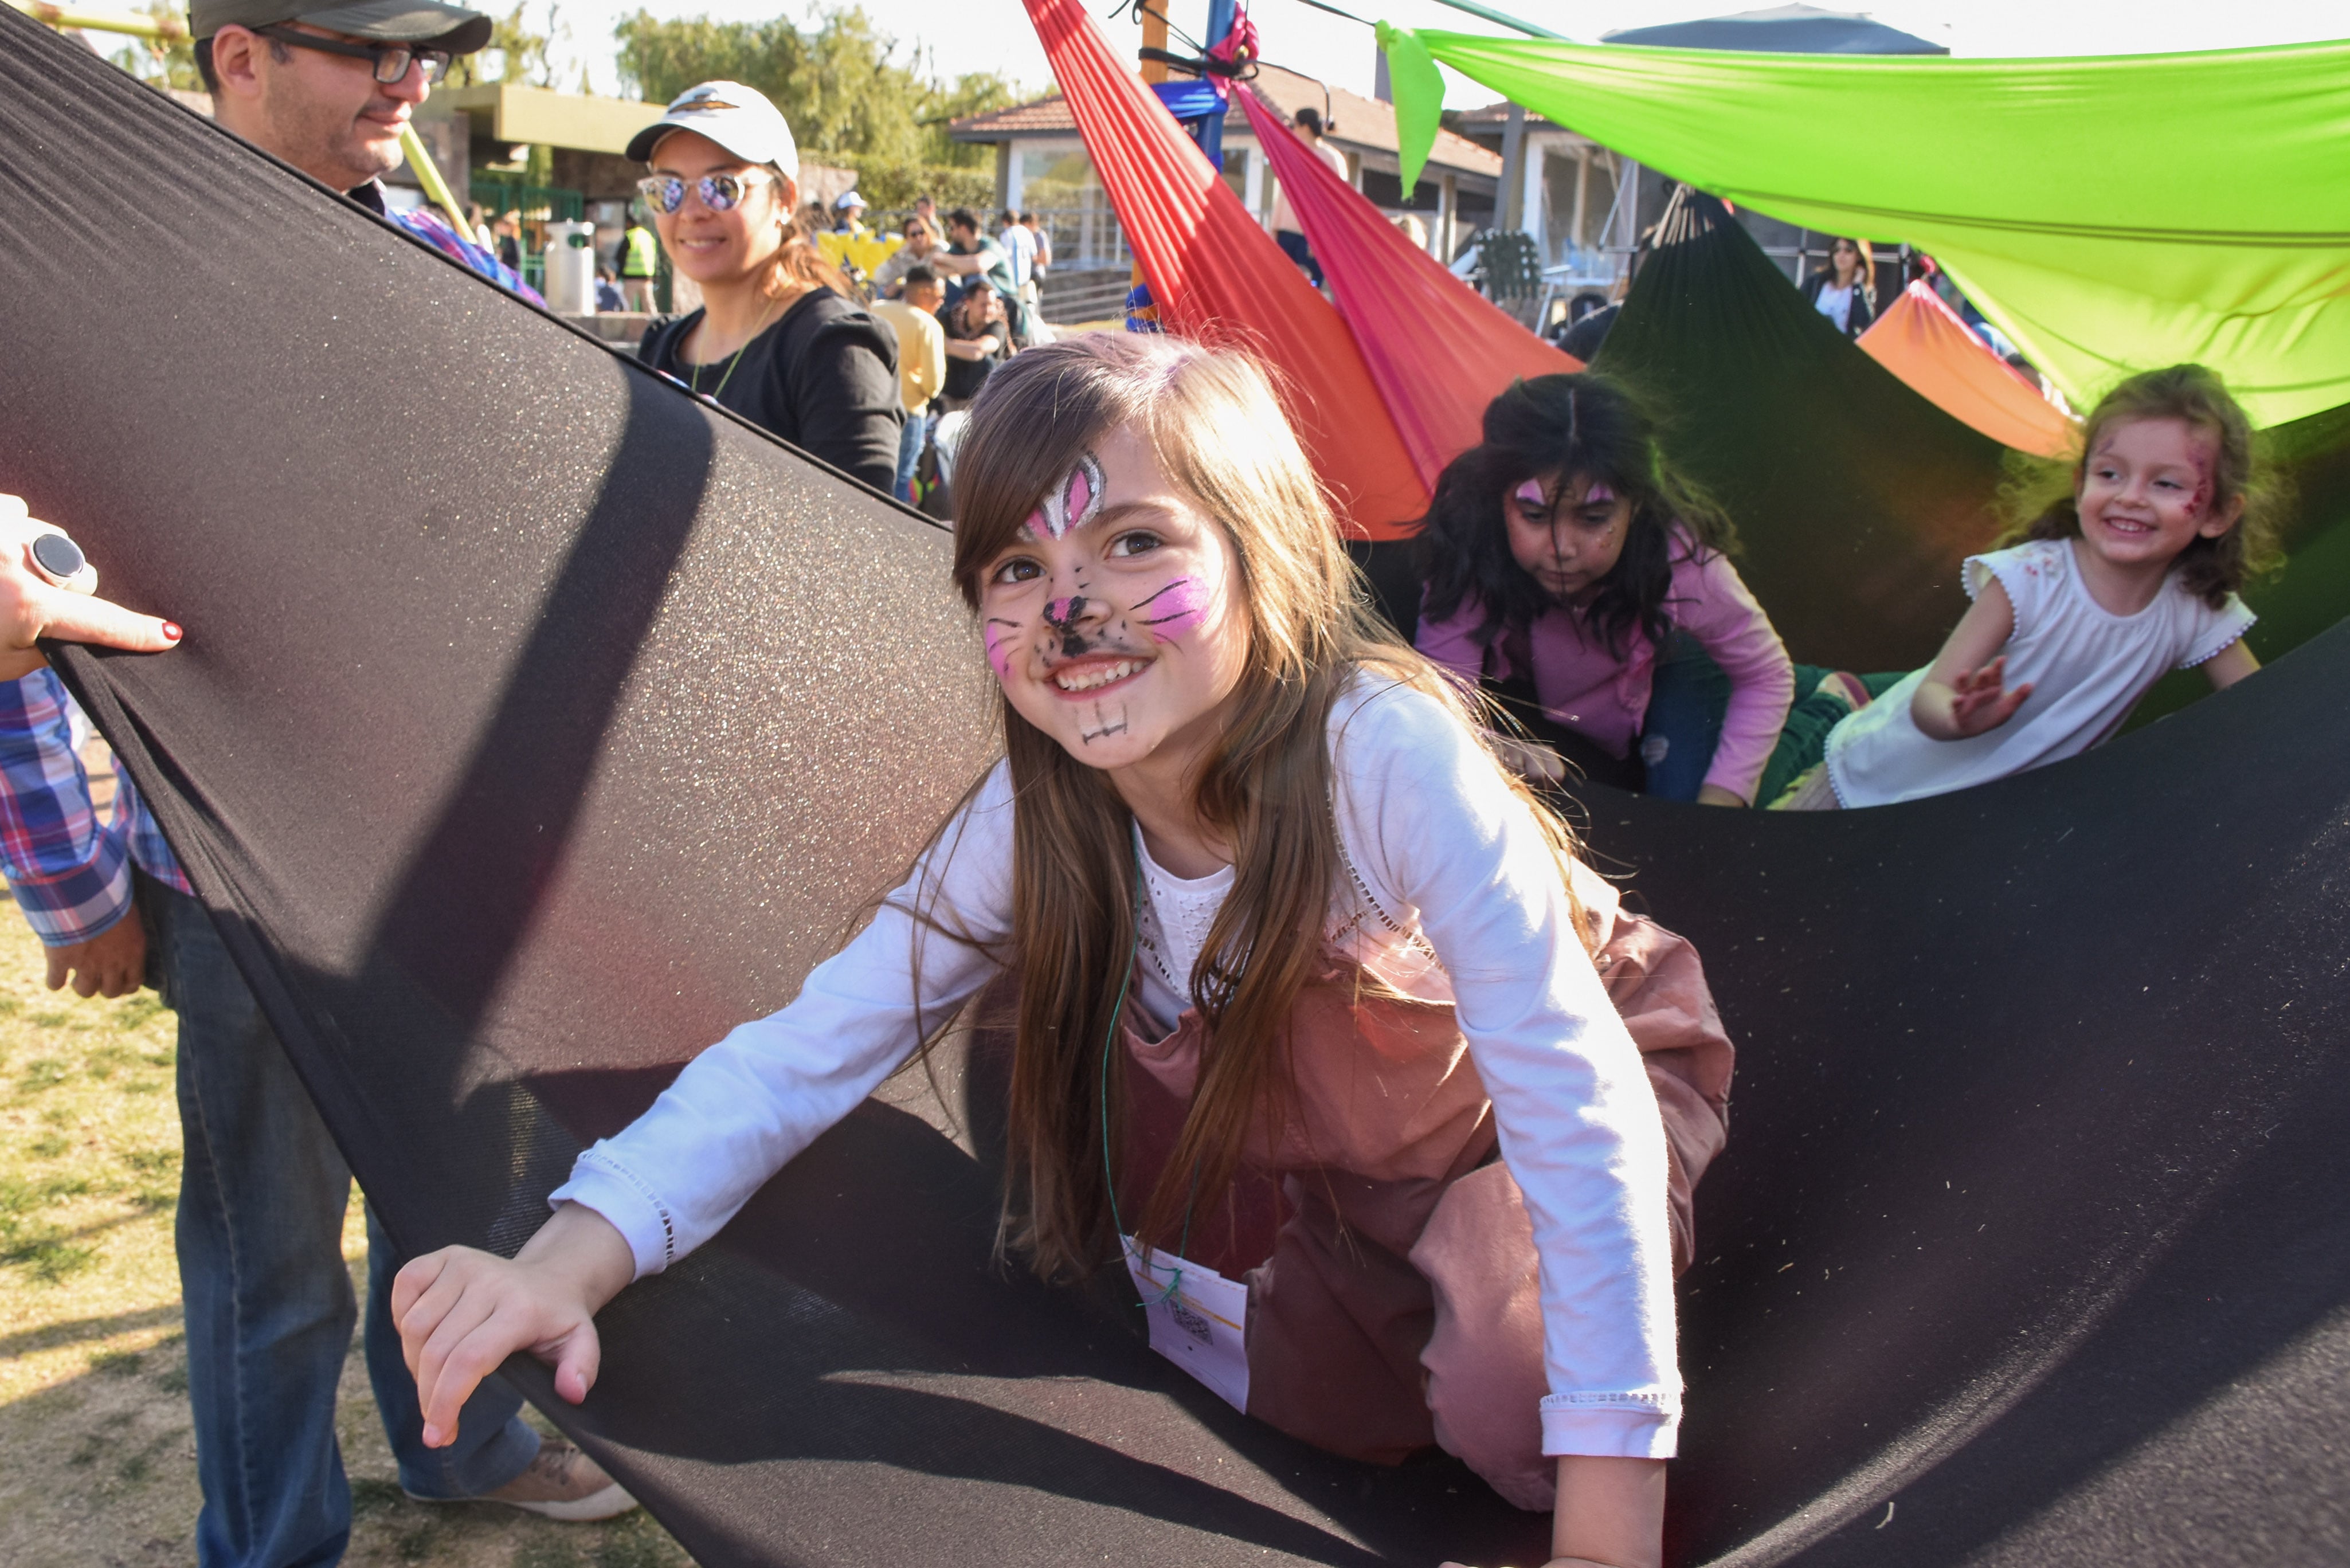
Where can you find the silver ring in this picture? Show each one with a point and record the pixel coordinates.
(58, 556)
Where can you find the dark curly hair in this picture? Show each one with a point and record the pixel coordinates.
(1580, 424)
(2037, 499)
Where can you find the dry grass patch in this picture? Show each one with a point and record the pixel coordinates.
(99, 1468)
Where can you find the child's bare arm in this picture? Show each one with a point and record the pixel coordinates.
(2229, 665)
(462, 1312)
(1965, 693)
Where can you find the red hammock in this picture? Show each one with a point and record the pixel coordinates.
(1437, 350)
(1218, 276)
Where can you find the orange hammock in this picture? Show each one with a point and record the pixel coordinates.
(1218, 276)
(1437, 350)
(1922, 341)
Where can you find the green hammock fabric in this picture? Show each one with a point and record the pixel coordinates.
(2109, 215)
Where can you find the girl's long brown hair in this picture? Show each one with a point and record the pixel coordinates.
(1213, 421)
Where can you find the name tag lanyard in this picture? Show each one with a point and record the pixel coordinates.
(1199, 1320)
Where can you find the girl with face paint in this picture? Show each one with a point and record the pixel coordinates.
(2119, 567)
(1297, 984)
(1589, 591)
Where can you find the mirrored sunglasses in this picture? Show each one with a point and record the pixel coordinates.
(719, 192)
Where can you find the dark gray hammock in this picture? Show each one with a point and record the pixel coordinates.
(537, 723)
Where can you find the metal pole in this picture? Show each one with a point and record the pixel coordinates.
(1211, 130)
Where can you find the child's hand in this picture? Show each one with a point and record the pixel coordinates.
(461, 1313)
(1978, 702)
(1531, 760)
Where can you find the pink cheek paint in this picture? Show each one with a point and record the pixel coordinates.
(999, 647)
(1176, 609)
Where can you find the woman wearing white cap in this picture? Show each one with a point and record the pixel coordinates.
(778, 339)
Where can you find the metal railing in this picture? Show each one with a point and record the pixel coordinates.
(1083, 238)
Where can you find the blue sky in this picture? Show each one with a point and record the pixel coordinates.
(994, 35)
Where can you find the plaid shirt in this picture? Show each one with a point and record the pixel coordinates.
(437, 231)
(71, 873)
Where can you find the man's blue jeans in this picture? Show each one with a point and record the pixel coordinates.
(268, 1298)
(910, 452)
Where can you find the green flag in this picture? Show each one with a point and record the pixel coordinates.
(2109, 215)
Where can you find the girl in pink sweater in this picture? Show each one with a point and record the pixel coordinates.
(1588, 588)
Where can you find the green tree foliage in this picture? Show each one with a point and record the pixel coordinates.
(514, 53)
(855, 95)
(159, 64)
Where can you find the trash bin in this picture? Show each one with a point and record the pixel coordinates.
(571, 269)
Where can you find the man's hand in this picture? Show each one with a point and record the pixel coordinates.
(34, 604)
(111, 964)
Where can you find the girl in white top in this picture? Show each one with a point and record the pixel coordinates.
(2128, 571)
(1223, 783)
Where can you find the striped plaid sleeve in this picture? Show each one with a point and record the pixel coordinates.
(437, 231)
(69, 873)
(150, 850)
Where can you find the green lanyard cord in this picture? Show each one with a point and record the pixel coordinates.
(693, 372)
(1109, 1176)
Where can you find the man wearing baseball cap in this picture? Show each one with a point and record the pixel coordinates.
(264, 1190)
(328, 89)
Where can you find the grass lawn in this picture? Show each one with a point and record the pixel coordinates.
(97, 1464)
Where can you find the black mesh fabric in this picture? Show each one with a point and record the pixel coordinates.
(537, 723)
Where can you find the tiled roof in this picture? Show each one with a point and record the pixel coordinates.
(1045, 114)
(1366, 122)
(1354, 121)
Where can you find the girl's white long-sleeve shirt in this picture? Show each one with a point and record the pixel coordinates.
(1454, 897)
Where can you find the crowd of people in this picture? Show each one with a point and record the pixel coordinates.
(1247, 851)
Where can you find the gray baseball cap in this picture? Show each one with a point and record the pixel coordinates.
(740, 118)
(450, 27)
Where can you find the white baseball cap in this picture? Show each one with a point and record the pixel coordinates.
(739, 119)
(847, 199)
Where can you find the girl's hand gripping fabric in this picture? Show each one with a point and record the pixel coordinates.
(461, 1313)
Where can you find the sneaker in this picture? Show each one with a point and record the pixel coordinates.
(561, 1483)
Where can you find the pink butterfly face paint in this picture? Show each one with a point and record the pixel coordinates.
(1599, 494)
(1530, 495)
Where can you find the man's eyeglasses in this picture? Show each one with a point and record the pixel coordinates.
(719, 192)
(392, 60)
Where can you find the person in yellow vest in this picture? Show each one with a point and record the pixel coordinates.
(921, 362)
(639, 261)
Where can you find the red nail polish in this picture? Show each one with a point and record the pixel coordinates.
(171, 630)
